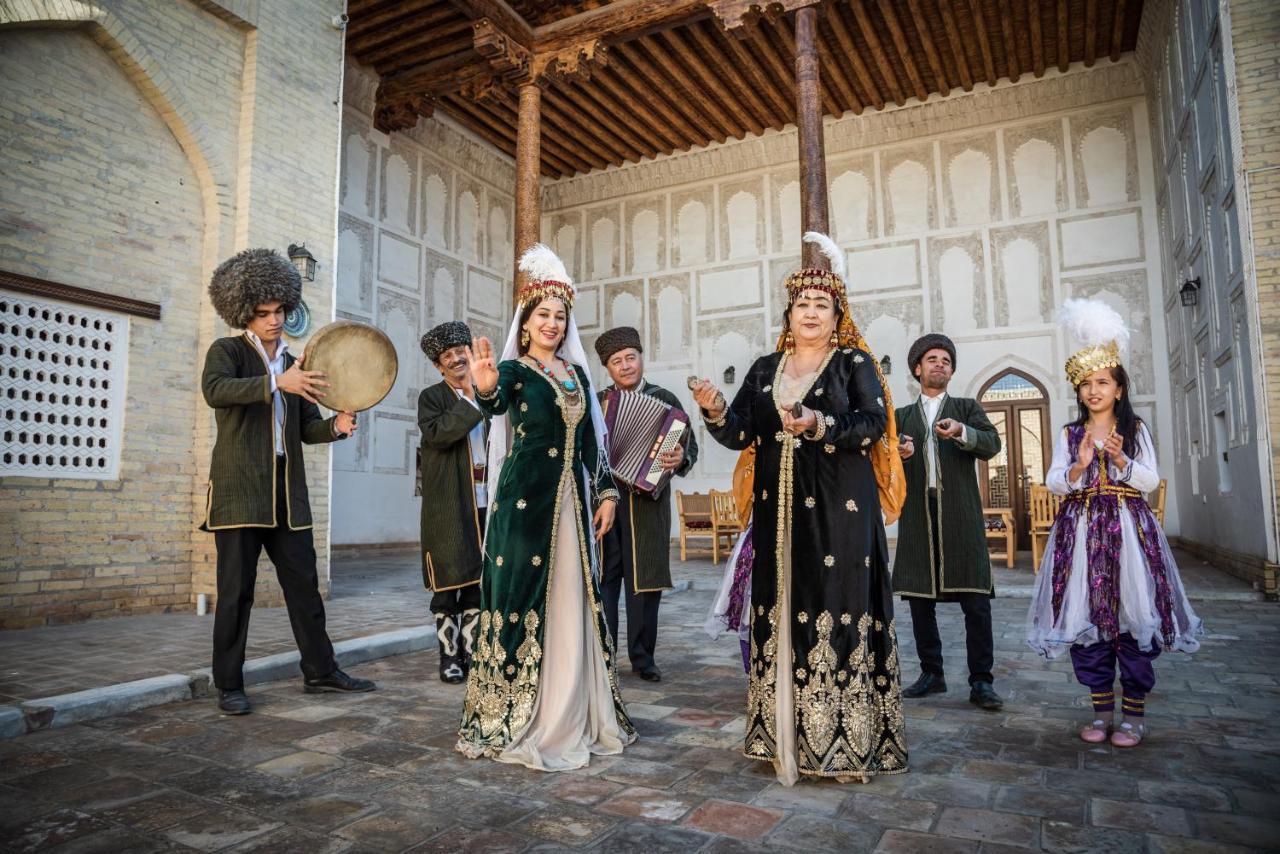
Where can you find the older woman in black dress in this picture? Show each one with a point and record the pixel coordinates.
(824, 698)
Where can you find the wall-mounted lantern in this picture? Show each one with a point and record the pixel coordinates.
(1189, 293)
(886, 365)
(729, 374)
(304, 261)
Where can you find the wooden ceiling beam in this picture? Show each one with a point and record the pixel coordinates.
(715, 87)
(631, 78)
(957, 46)
(497, 133)
(780, 71)
(1117, 31)
(780, 106)
(439, 77)
(930, 49)
(382, 37)
(1037, 43)
(904, 51)
(745, 85)
(1013, 65)
(417, 41)
(878, 53)
(619, 21)
(445, 42)
(870, 91)
(984, 44)
(367, 17)
(562, 112)
(625, 122)
(1064, 43)
(1090, 32)
(708, 117)
(837, 80)
(503, 17)
(577, 159)
(657, 118)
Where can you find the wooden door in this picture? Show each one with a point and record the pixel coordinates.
(1019, 409)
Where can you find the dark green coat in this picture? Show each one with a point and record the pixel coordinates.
(647, 555)
(546, 457)
(450, 521)
(242, 474)
(964, 563)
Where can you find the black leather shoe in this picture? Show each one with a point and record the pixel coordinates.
(651, 674)
(339, 682)
(233, 702)
(928, 683)
(981, 694)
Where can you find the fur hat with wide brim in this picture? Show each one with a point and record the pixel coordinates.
(925, 343)
(250, 278)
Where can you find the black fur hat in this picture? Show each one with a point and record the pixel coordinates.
(925, 343)
(250, 278)
(446, 336)
(619, 338)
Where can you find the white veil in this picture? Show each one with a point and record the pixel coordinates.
(542, 265)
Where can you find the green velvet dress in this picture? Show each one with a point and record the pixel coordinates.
(543, 486)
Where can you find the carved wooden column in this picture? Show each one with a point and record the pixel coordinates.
(528, 167)
(813, 159)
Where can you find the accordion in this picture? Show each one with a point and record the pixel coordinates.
(640, 428)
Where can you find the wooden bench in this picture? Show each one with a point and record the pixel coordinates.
(998, 522)
(696, 519)
(1156, 500)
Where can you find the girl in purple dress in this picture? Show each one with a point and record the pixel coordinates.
(1108, 589)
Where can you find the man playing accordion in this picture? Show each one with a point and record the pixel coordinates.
(637, 551)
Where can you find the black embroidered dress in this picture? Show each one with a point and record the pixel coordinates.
(824, 696)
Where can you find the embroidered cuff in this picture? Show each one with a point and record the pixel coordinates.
(608, 495)
(819, 431)
(714, 422)
(492, 395)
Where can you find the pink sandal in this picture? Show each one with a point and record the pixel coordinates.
(1128, 735)
(1096, 732)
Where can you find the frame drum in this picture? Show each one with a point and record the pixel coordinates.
(359, 362)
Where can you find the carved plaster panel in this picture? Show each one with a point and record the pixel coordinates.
(670, 320)
(1035, 168)
(785, 218)
(957, 283)
(437, 207)
(355, 264)
(624, 305)
(1022, 273)
(1105, 156)
(603, 242)
(400, 317)
(852, 195)
(910, 200)
(971, 180)
(563, 233)
(442, 282)
(742, 217)
(693, 237)
(398, 182)
(359, 165)
(645, 234)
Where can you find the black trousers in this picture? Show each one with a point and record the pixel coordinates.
(642, 608)
(294, 557)
(977, 624)
(454, 602)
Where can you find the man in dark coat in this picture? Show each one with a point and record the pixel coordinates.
(265, 409)
(451, 465)
(637, 550)
(942, 545)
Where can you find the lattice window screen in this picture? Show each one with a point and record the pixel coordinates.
(61, 388)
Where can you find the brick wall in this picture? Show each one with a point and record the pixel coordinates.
(149, 142)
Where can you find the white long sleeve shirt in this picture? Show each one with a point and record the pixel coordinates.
(479, 455)
(932, 406)
(1140, 473)
(274, 367)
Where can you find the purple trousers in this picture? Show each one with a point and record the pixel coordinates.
(1095, 666)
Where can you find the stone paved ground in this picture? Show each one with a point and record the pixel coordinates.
(372, 592)
(377, 772)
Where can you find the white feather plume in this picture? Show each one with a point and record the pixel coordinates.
(828, 247)
(542, 264)
(1091, 322)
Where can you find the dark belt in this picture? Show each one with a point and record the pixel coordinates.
(478, 472)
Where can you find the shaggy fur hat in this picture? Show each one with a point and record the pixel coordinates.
(617, 339)
(247, 280)
(925, 343)
(446, 336)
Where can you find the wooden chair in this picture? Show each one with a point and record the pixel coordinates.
(998, 522)
(725, 522)
(695, 512)
(1156, 500)
(1044, 507)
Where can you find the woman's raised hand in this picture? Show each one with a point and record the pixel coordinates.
(708, 397)
(484, 373)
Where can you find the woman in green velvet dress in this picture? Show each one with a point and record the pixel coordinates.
(542, 691)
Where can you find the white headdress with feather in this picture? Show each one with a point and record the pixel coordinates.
(834, 254)
(1098, 333)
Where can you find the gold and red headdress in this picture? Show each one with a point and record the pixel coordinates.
(1099, 334)
(546, 277)
(830, 282)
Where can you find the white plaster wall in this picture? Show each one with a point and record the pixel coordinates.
(425, 235)
(975, 216)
